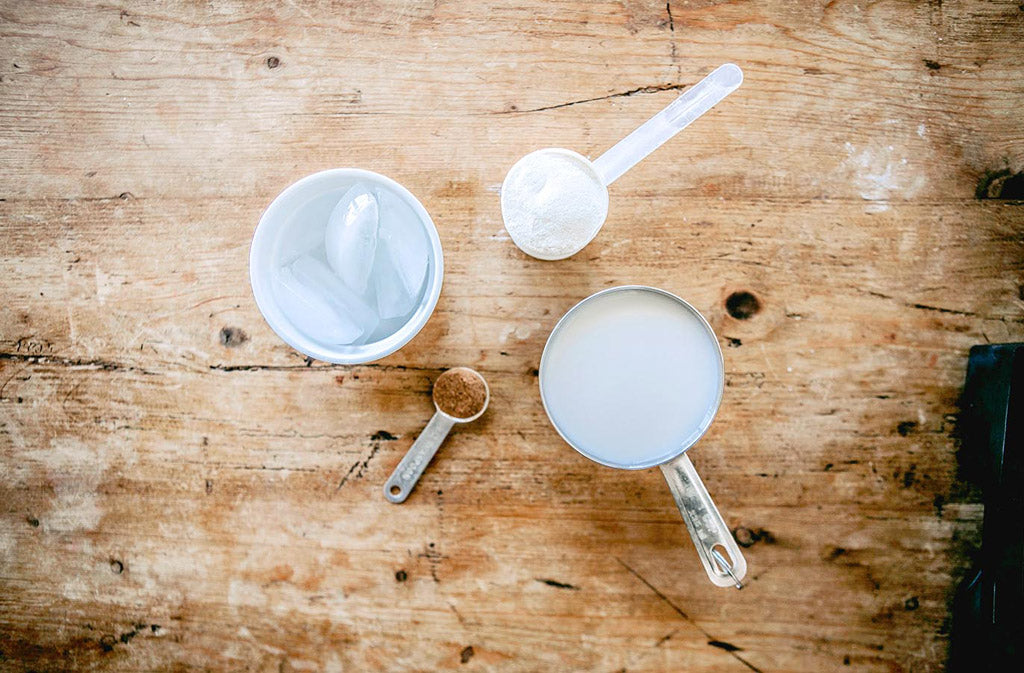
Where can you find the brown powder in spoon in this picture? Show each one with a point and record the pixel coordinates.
(460, 393)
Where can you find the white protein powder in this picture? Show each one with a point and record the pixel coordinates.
(553, 203)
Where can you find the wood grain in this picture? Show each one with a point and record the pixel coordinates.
(182, 491)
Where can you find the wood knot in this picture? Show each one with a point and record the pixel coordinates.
(904, 428)
(232, 336)
(273, 62)
(748, 537)
(742, 305)
(1000, 184)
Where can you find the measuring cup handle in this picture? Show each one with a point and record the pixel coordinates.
(706, 526)
(401, 482)
(679, 114)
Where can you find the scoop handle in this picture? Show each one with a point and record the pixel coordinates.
(715, 545)
(401, 482)
(679, 114)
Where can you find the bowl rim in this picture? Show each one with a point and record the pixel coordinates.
(262, 245)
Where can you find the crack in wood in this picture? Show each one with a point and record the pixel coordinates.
(98, 364)
(458, 615)
(321, 367)
(556, 584)
(434, 558)
(359, 467)
(622, 94)
(712, 641)
(275, 468)
(665, 638)
(939, 309)
(347, 475)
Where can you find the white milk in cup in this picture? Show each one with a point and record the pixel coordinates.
(632, 377)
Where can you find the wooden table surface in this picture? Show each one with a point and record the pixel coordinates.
(182, 491)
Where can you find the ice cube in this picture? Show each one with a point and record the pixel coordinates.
(301, 240)
(386, 328)
(312, 314)
(319, 305)
(306, 227)
(393, 297)
(351, 237)
(403, 246)
(315, 274)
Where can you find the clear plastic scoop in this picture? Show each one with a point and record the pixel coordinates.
(532, 225)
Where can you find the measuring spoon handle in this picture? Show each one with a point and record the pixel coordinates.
(679, 114)
(715, 545)
(401, 482)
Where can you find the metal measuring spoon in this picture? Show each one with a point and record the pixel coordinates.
(456, 400)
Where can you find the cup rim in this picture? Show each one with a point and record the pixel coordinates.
(487, 398)
(267, 305)
(588, 165)
(718, 397)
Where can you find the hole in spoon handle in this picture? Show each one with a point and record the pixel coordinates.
(679, 114)
(718, 551)
(401, 482)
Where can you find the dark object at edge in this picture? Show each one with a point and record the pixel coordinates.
(988, 610)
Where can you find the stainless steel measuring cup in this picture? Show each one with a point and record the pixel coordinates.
(718, 551)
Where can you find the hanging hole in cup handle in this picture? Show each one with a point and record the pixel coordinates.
(716, 547)
(720, 556)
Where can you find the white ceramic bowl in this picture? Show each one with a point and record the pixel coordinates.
(315, 193)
